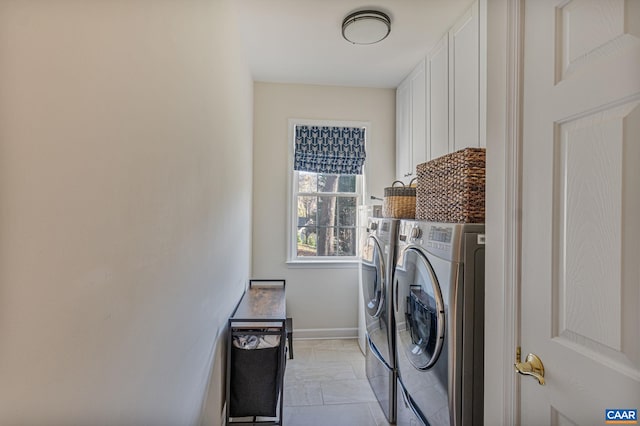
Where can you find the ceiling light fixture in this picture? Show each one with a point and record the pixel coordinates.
(366, 27)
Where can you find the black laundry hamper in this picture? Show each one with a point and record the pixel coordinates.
(255, 381)
(256, 356)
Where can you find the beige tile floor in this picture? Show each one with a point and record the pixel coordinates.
(326, 385)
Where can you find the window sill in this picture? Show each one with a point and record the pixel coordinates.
(324, 264)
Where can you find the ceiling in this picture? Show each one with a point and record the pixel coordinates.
(300, 41)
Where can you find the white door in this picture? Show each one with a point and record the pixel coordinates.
(581, 209)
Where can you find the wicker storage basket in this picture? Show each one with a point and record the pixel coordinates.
(452, 188)
(399, 201)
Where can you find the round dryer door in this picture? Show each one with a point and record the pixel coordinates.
(372, 265)
(419, 307)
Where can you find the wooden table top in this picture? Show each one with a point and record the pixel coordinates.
(262, 303)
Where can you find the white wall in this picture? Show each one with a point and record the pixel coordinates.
(123, 245)
(323, 302)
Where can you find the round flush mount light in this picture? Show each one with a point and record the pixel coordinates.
(366, 27)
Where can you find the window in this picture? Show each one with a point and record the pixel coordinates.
(327, 191)
(326, 207)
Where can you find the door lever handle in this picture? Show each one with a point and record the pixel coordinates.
(532, 366)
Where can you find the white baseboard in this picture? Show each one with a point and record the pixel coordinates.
(325, 333)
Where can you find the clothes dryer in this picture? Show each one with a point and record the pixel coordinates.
(364, 213)
(439, 312)
(376, 268)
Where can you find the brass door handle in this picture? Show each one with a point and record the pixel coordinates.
(532, 366)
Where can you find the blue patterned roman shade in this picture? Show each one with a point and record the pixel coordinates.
(331, 150)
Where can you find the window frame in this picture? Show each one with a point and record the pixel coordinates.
(292, 218)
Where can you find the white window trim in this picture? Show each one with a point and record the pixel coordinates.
(324, 261)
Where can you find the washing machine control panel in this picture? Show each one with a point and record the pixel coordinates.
(440, 238)
(440, 234)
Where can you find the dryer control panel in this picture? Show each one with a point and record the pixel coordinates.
(440, 239)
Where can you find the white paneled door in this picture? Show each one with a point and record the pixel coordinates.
(580, 252)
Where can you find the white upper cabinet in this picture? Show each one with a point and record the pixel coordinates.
(403, 130)
(418, 117)
(438, 99)
(440, 105)
(411, 116)
(464, 78)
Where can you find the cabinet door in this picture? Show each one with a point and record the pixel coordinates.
(464, 54)
(418, 117)
(403, 130)
(438, 73)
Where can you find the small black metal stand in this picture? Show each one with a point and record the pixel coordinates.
(255, 378)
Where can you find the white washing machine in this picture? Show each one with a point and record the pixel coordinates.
(376, 267)
(439, 312)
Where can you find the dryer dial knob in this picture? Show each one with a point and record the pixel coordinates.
(373, 226)
(416, 233)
